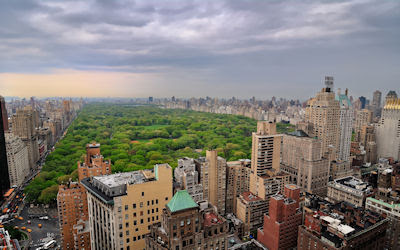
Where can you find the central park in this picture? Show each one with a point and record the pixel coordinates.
(137, 137)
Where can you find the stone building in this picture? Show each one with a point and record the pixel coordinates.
(184, 225)
(302, 160)
(349, 189)
(250, 209)
(323, 112)
(122, 207)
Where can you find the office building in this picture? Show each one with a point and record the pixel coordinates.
(376, 103)
(280, 228)
(72, 200)
(388, 129)
(302, 160)
(346, 126)
(212, 171)
(323, 112)
(122, 207)
(250, 210)
(340, 226)
(340, 169)
(186, 177)
(184, 225)
(5, 179)
(17, 158)
(349, 189)
(238, 182)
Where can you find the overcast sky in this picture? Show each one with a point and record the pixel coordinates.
(198, 48)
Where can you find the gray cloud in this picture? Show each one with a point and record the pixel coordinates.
(245, 47)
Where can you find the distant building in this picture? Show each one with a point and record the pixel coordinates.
(184, 225)
(238, 181)
(376, 103)
(280, 228)
(122, 207)
(24, 126)
(323, 112)
(346, 126)
(388, 129)
(349, 189)
(302, 160)
(363, 118)
(363, 101)
(72, 200)
(4, 115)
(212, 170)
(340, 226)
(187, 177)
(250, 209)
(18, 159)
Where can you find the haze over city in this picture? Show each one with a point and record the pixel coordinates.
(197, 48)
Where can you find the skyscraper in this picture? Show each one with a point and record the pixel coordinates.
(388, 128)
(187, 177)
(346, 126)
(216, 180)
(376, 103)
(323, 112)
(4, 113)
(5, 179)
(18, 160)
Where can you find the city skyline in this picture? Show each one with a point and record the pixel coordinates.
(199, 48)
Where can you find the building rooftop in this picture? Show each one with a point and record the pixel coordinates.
(211, 218)
(116, 180)
(249, 196)
(298, 133)
(181, 201)
(352, 183)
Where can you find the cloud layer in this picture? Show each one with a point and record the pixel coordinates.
(216, 48)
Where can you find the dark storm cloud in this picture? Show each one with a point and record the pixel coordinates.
(245, 47)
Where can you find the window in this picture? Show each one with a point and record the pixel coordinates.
(141, 221)
(138, 237)
(188, 221)
(119, 209)
(127, 224)
(142, 193)
(166, 198)
(126, 216)
(148, 203)
(134, 205)
(135, 222)
(182, 223)
(134, 238)
(126, 207)
(127, 232)
(120, 226)
(134, 214)
(156, 201)
(141, 204)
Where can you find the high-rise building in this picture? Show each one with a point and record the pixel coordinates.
(250, 210)
(376, 103)
(388, 129)
(280, 228)
(122, 207)
(323, 112)
(340, 226)
(186, 177)
(266, 147)
(238, 182)
(5, 179)
(212, 171)
(346, 126)
(18, 159)
(72, 200)
(302, 160)
(363, 118)
(23, 126)
(184, 225)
